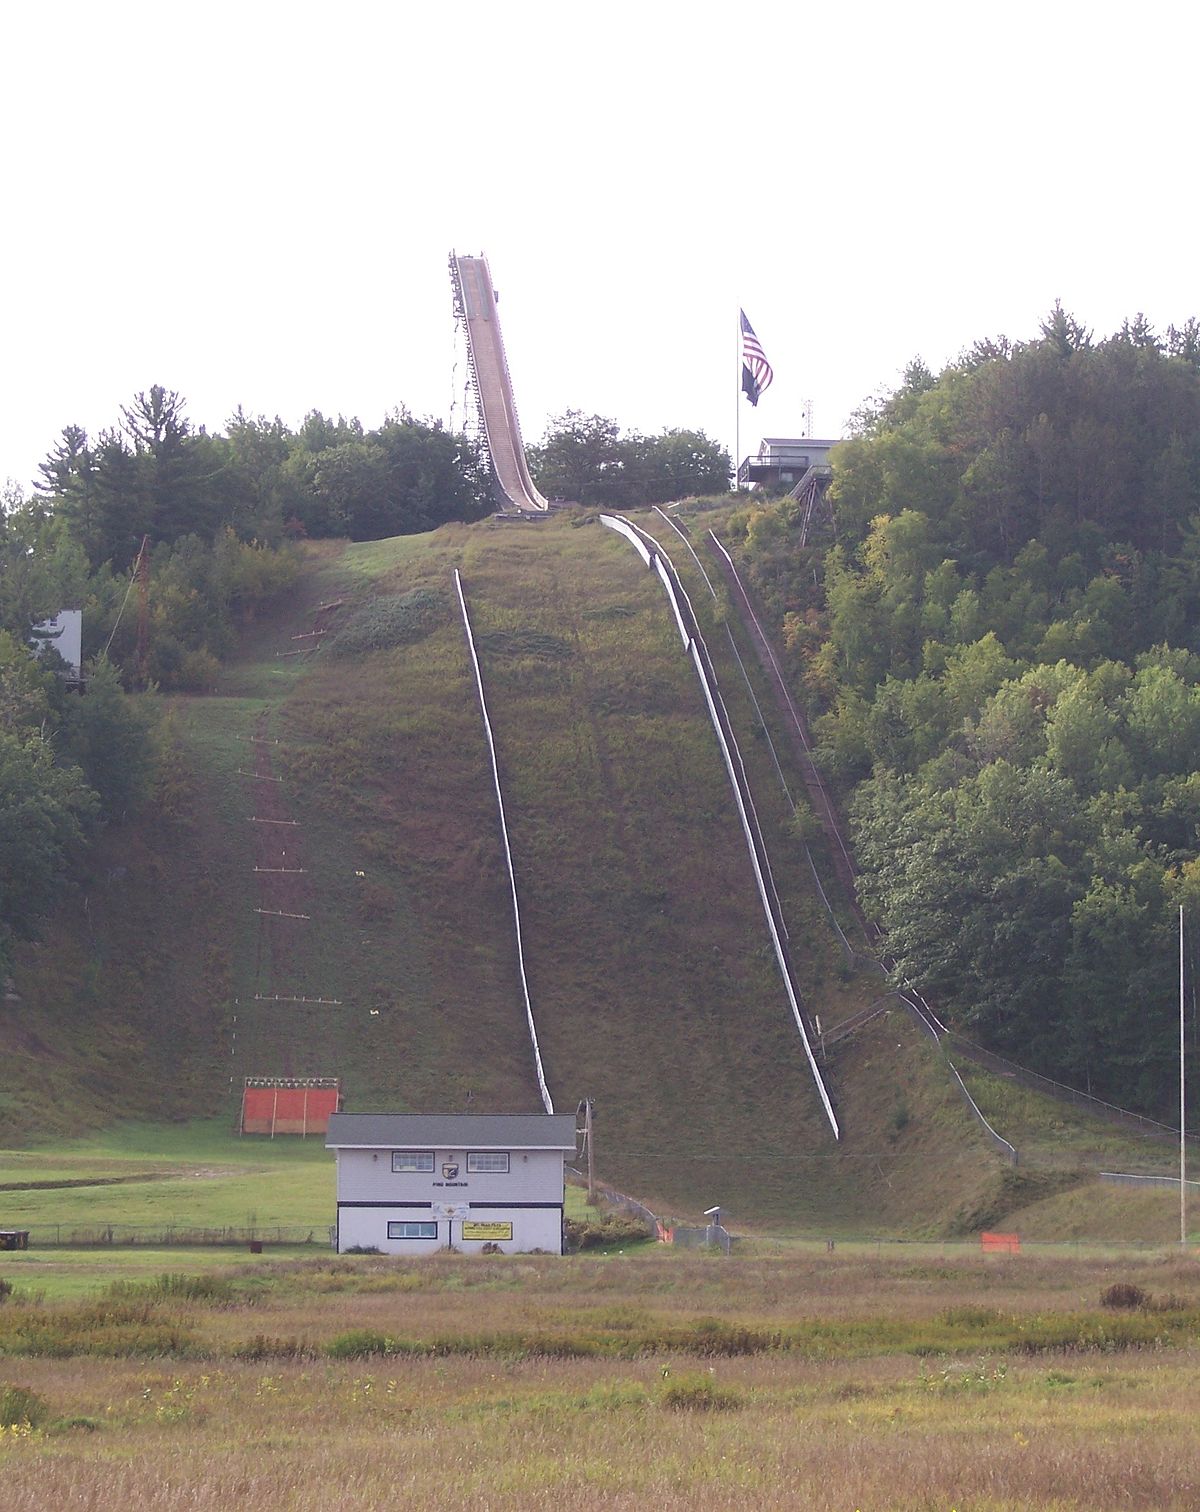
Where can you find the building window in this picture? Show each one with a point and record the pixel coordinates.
(488, 1160)
(406, 1229)
(412, 1160)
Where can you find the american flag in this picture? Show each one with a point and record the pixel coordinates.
(756, 370)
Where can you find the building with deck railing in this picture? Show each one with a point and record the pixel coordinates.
(783, 461)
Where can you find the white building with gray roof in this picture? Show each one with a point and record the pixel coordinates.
(411, 1183)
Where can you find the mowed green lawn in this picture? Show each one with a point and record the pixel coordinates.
(194, 1175)
(144, 1180)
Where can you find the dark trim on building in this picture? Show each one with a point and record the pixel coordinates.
(425, 1205)
(556, 1205)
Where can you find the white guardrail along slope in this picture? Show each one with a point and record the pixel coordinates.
(544, 1090)
(657, 560)
(913, 1001)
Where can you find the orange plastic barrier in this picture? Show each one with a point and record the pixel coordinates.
(288, 1110)
(1003, 1244)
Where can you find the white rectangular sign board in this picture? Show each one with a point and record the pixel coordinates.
(65, 633)
(451, 1209)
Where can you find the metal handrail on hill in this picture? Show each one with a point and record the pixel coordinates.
(656, 558)
(847, 949)
(999, 1065)
(924, 1016)
(913, 1001)
(841, 855)
(547, 1101)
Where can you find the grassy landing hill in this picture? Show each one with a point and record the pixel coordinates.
(652, 978)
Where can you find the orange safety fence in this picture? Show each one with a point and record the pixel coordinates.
(1000, 1244)
(288, 1110)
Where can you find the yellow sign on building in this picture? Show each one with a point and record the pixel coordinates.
(486, 1230)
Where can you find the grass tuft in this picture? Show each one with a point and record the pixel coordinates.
(22, 1407)
(261, 1347)
(523, 643)
(696, 1391)
(390, 621)
(359, 1344)
(176, 1286)
(74, 1424)
(1124, 1294)
(117, 1330)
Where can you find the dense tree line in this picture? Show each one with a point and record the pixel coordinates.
(155, 474)
(217, 512)
(587, 460)
(999, 635)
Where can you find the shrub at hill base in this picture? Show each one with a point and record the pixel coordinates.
(591, 1233)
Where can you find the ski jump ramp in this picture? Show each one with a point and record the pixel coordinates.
(475, 306)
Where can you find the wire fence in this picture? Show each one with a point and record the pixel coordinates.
(319, 1238)
(174, 1236)
(1135, 1178)
(1036, 1082)
(848, 950)
(630, 1206)
(713, 1235)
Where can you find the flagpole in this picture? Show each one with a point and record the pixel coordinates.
(737, 409)
(1182, 1102)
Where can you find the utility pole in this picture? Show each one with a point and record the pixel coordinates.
(1182, 1100)
(591, 1152)
(142, 573)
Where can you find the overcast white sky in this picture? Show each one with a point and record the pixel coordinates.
(253, 203)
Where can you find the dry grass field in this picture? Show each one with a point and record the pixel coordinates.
(768, 1379)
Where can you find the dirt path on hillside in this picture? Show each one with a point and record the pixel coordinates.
(282, 876)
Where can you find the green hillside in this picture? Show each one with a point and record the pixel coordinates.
(652, 979)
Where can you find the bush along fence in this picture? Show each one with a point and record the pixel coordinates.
(665, 1230)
